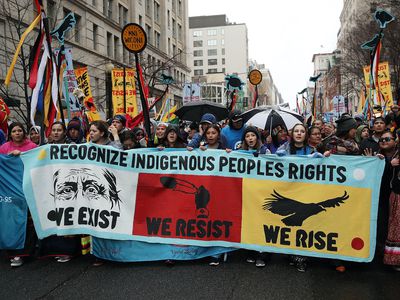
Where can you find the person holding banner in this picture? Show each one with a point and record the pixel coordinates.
(392, 246)
(173, 138)
(298, 145)
(58, 133)
(18, 142)
(206, 120)
(315, 136)
(75, 133)
(278, 137)
(372, 143)
(35, 135)
(251, 142)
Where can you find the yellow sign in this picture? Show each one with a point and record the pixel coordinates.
(255, 77)
(117, 78)
(83, 81)
(267, 218)
(134, 37)
(384, 85)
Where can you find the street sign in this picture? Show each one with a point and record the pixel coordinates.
(134, 37)
(255, 77)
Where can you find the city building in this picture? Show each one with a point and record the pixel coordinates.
(96, 41)
(218, 47)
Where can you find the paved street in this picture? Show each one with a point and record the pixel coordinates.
(236, 279)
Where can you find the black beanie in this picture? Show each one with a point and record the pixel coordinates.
(251, 129)
(345, 124)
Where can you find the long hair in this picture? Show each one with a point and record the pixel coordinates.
(16, 124)
(102, 126)
(293, 148)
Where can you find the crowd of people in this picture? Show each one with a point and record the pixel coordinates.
(347, 136)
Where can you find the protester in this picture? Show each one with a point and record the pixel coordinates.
(328, 130)
(212, 138)
(278, 137)
(298, 146)
(140, 137)
(159, 134)
(318, 123)
(34, 135)
(129, 140)
(371, 143)
(206, 119)
(392, 245)
(18, 142)
(393, 117)
(58, 133)
(119, 122)
(251, 141)
(314, 137)
(231, 135)
(75, 134)
(98, 133)
(344, 140)
(362, 133)
(173, 138)
(193, 128)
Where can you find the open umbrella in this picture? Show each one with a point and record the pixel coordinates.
(270, 118)
(193, 111)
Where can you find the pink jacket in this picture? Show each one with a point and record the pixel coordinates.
(10, 146)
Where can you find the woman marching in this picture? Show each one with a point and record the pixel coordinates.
(18, 142)
(251, 142)
(298, 145)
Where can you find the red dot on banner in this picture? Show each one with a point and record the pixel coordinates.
(357, 243)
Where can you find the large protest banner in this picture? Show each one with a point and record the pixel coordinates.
(83, 81)
(324, 207)
(13, 208)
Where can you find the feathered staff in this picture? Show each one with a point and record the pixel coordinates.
(374, 46)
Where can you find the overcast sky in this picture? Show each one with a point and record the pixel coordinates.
(283, 34)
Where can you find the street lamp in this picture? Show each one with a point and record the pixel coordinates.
(108, 68)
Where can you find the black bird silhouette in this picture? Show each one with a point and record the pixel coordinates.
(166, 79)
(371, 44)
(315, 78)
(66, 24)
(297, 211)
(383, 18)
(201, 198)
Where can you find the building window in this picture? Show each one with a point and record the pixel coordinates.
(212, 32)
(222, 42)
(122, 15)
(140, 20)
(95, 36)
(148, 8)
(179, 7)
(173, 28)
(169, 19)
(197, 43)
(212, 42)
(198, 33)
(223, 61)
(148, 33)
(198, 63)
(174, 5)
(156, 12)
(212, 52)
(77, 29)
(108, 8)
(223, 51)
(109, 45)
(212, 62)
(210, 71)
(222, 31)
(169, 46)
(223, 70)
(179, 32)
(116, 48)
(198, 53)
(173, 49)
(198, 72)
(157, 36)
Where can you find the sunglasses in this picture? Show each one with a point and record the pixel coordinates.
(385, 139)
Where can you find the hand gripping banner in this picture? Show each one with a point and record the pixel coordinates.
(323, 207)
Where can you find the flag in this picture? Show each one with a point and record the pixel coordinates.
(170, 116)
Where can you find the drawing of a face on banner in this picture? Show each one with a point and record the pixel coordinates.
(76, 197)
(83, 184)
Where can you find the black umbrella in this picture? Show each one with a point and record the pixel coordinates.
(193, 111)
